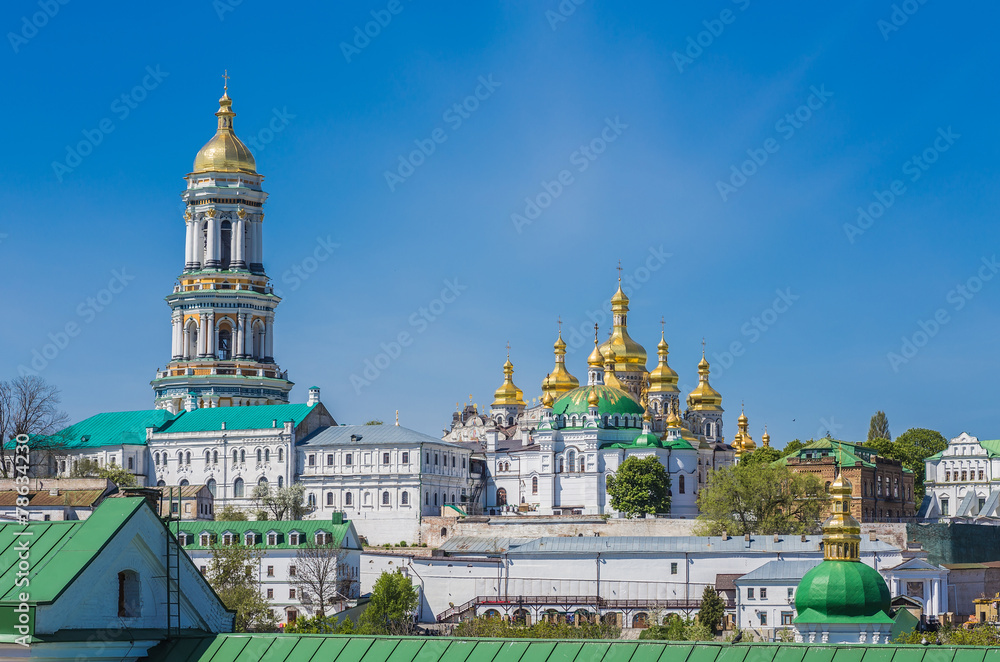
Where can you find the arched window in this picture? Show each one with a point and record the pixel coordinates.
(281, 481)
(262, 481)
(187, 457)
(534, 485)
(243, 456)
(404, 498)
(444, 532)
(161, 483)
(453, 498)
(238, 488)
(180, 458)
(501, 497)
(129, 602)
(211, 486)
(226, 243)
(561, 466)
(680, 484)
(312, 500)
(215, 457)
(260, 456)
(184, 482)
(224, 351)
(208, 457)
(236, 456)
(385, 498)
(435, 499)
(281, 455)
(348, 499)
(131, 464)
(571, 460)
(267, 454)
(329, 498)
(427, 498)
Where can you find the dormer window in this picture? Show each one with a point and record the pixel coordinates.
(293, 538)
(250, 538)
(206, 540)
(272, 538)
(229, 538)
(183, 538)
(323, 538)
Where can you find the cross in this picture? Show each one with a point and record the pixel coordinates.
(508, 349)
(225, 84)
(619, 271)
(559, 321)
(595, 333)
(703, 346)
(663, 325)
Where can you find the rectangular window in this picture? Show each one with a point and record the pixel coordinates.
(791, 592)
(406, 457)
(270, 570)
(349, 459)
(763, 593)
(329, 460)
(965, 476)
(201, 570)
(291, 594)
(291, 571)
(673, 568)
(385, 458)
(312, 460)
(786, 618)
(749, 594)
(944, 507)
(436, 458)
(947, 476)
(763, 618)
(980, 474)
(270, 593)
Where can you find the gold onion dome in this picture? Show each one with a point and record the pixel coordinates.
(663, 378)
(704, 397)
(559, 381)
(596, 358)
(225, 152)
(508, 393)
(610, 378)
(841, 532)
(547, 400)
(628, 353)
(743, 442)
(765, 439)
(593, 399)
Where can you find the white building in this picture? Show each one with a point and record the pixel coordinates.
(626, 576)
(281, 566)
(384, 477)
(963, 480)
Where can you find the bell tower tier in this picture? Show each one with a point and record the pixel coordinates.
(222, 307)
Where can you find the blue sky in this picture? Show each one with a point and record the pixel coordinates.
(630, 124)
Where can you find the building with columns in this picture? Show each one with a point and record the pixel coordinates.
(963, 481)
(222, 306)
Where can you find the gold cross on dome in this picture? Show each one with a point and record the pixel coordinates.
(663, 325)
(508, 349)
(225, 84)
(559, 322)
(619, 271)
(703, 346)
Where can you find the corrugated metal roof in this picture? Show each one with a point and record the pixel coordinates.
(370, 434)
(42, 499)
(257, 417)
(352, 648)
(60, 551)
(308, 527)
(481, 545)
(681, 544)
(779, 570)
(109, 429)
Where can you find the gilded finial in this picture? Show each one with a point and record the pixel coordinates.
(619, 272)
(508, 350)
(663, 326)
(225, 84)
(703, 347)
(397, 418)
(559, 322)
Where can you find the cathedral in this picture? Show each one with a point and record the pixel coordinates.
(222, 305)
(556, 457)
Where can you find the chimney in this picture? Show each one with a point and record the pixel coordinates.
(223, 425)
(190, 402)
(274, 423)
(725, 536)
(803, 538)
(871, 537)
(775, 537)
(746, 537)
(313, 396)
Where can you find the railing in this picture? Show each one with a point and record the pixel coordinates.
(567, 601)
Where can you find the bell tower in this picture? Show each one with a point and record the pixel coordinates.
(222, 306)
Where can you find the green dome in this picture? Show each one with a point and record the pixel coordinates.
(611, 401)
(842, 592)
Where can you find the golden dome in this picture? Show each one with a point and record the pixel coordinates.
(508, 393)
(630, 355)
(663, 378)
(704, 397)
(596, 358)
(559, 381)
(765, 439)
(547, 400)
(594, 399)
(743, 442)
(225, 152)
(610, 379)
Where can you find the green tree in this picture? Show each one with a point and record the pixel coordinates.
(481, 626)
(230, 513)
(282, 502)
(640, 487)
(760, 498)
(118, 475)
(320, 625)
(713, 608)
(879, 427)
(762, 455)
(911, 448)
(374, 421)
(233, 573)
(85, 468)
(794, 446)
(390, 610)
(675, 628)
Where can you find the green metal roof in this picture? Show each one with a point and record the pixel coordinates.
(109, 429)
(611, 401)
(237, 418)
(340, 648)
(59, 551)
(846, 452)
(309, 527)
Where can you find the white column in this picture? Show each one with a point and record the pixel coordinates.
(239, 242)
(269, 336)
(212, 249)
(258, 244)
(203, 334)
(187, 342)
(189, 245)
(199, 244)
(238, 336)
(213, 341)
(176, 352)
